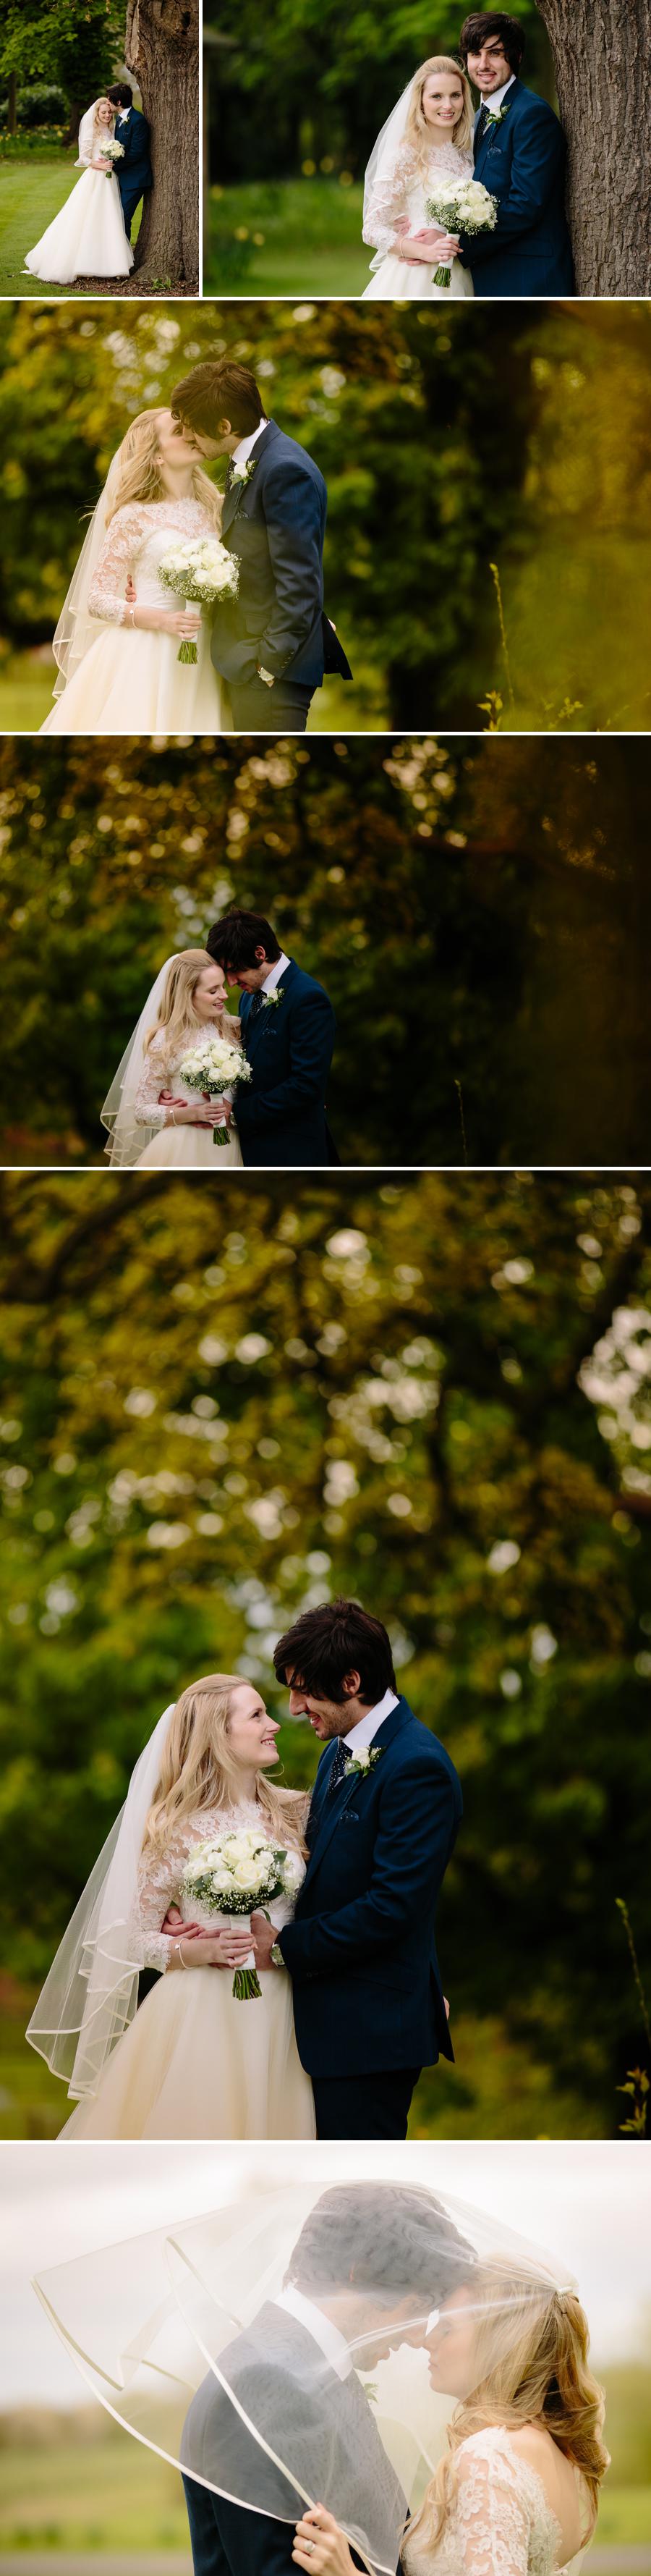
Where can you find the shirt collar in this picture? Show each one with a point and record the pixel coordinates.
(242, 453)
(330, 2341)
(367, 1726)
(498, 94)
(275, 974)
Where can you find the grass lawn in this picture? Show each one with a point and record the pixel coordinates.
(302, 237)
(32, 191)
(26, 685)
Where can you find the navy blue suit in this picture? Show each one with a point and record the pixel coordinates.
(275, 524)
(280, 1114)
(522, 162)
(368, 2001)
(310, 2417)
(134, 174)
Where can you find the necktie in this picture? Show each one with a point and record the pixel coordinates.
(338, 1767)
(256, 1006)
(483, 121)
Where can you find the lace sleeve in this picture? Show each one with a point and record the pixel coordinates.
(387, 202)
(494, 2514)
(121, 545)
(159, 1880)
(147, 1109)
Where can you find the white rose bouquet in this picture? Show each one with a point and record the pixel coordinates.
(213, 1067)
(200, 569)
(462, 206)
(235, 1876)
(112, 151)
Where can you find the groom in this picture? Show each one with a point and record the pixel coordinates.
(289, 2415)
(288, 1027)
(368, 2003)
(520, 158)
(273, 644)
(134, 173)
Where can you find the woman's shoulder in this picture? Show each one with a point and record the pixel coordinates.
(131, 516)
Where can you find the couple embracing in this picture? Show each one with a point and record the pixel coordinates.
(91, 236)
(465, 202)
(297, 1987)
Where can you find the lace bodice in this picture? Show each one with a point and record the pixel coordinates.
(501, 2523)
(404, 187)
(137, 538)
(160, 1075)
(160, 1875)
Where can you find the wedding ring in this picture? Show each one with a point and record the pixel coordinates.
(308, 2544)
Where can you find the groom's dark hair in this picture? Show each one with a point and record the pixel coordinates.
(216, 391)
(326, 1643)
(121, 95)
(233, 941)
(394, 2239)
(483, 23)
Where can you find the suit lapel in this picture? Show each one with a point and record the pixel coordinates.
(330, 1809)
(256, 1025)
(232, 501)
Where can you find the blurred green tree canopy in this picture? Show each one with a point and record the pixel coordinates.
(448, 440)
(72, 43)
(480, 913)
(432, 1393)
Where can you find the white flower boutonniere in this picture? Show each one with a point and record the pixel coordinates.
(271, 1000)
(496, 115)
(243, 473)
(366, 1759)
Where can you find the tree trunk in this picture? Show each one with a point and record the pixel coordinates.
(602, 56)
(162, 50)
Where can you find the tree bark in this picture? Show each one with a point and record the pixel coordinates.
(162, 50)
(602, 56)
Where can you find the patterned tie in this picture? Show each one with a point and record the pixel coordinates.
(256, 1005)
(338, 1767)
(484, 113)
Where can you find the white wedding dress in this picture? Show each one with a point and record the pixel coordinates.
(188, 1146)
(194, 2062)
(87, 237)
(400, 192)
(501, 2522)
(131, 681)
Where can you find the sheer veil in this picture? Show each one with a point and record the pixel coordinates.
(88, 135)
(76, 629)
(91, 1991)
(386, 150)
(127, 1136)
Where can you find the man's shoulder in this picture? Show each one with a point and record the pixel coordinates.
(302, 984)
(528, 104)
(415, 1742)
(286, 451)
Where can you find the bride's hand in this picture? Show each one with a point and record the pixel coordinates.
(319, 2545)
(202, 1113)
(227, 1949)
(185, 622)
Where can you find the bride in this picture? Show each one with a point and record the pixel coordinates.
(87, 238)
(429, 135)
(152, 1115)
(118, 637)
(193, 2061)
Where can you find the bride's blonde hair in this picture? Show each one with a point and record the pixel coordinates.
(417, 132)
(176, 1018)
(531, 2352)
(140, 479)
(198, 1771)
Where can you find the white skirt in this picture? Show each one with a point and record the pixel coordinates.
(191, 1149)
(195, 2063)
(87, 237)
(132, 681)
(399, 279)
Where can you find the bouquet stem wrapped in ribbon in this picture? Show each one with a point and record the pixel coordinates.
(201, 571)
(461, 206)
(213, 1067)
(234, 1876)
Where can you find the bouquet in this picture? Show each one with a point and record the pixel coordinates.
(200, 568)
(234, 1876)
(462, 206)
(112, 151)
(212, 1067)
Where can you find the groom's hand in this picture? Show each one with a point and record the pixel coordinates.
(263, 1936)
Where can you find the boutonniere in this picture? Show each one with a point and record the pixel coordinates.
(243, 473)
(270, 1001)
(366, 1759)
(496, 115)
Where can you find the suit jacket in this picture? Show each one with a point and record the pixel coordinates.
(275, 523)
(135, 172)
(522, 162)
(361, 1950)
(320, 2424)
(281, 1114)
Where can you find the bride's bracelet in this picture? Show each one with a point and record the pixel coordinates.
(179, 1954)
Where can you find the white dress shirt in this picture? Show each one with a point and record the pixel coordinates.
(320, 2327)
(367, 1726)
(242, 453)
(495, 101)
(275, 975)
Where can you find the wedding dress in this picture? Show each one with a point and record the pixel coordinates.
(501, 2522)
(130, 680)
(195, 2062)
(87, 237)
(401, 189)
(191, 1146)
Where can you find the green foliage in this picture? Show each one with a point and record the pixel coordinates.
(431, 1393)
(72, 45)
